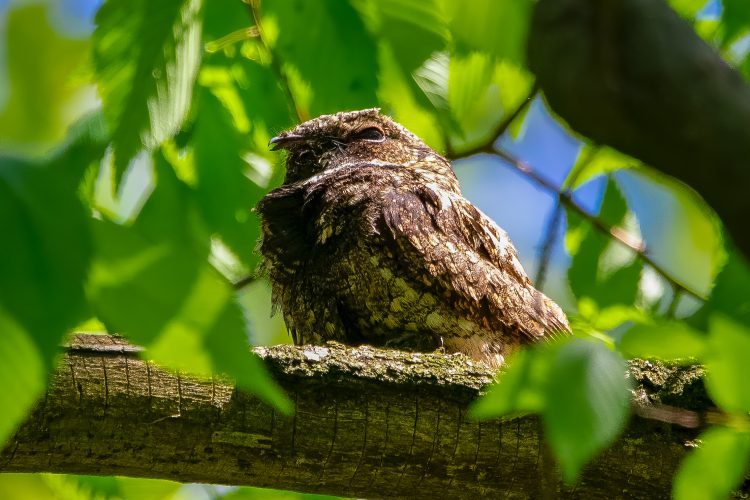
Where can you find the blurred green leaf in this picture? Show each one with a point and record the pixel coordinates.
(224, 193)
(187, 317)
(46, 256)
(22, 374)
(497, 27)
(148, 489)
(521, 387)
(735, 20)
(146, 56)
(730, 295)
(408, 33)
(726, 364)
(414, 29)
(602, 269)
(328, 45)
(482, 93)
(40, 87)
(593, 161)
(715, 467)
(688, 8)
(578, 386)
(82, 150)
(667, 340)
(402, 98)
(223, 17)
(587, 401)
(264, 102)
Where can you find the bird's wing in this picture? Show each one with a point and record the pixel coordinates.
(471, 260)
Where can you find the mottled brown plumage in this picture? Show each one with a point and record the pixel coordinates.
(370, 241)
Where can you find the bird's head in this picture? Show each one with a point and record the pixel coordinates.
(350, 137)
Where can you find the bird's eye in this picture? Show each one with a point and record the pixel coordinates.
(373, 134)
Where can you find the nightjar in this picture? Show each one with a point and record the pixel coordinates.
(369, 241)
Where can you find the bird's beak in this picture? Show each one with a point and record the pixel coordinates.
(282, 141)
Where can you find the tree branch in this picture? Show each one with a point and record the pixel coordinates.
(368, 422)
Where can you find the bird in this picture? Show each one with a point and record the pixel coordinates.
(369, 241)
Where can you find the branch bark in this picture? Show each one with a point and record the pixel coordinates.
(632, 74)
(368, 423)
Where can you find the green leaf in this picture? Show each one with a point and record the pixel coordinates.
(601, 269)
(688, 8)
(146, 57)
(735, 20)
(667, 340)
(731, 293)
(502, 30)
(328, 46)
(715, 468)
(521, 386)
(45, 260)
(186, 314)
(22, 374)
(40, 93)
(726, 364)
(593, 161)
(482, 93)
(83, 148)
(413, 29)
(587, 401)
(224, 193)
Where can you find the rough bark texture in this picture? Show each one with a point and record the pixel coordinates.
(368, 423)
(632, 74)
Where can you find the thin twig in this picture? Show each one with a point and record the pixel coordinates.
(499, 129)
(545, 255)
(618, 234)
(556, 219)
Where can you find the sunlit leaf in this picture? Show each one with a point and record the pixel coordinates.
(726, 363)
(328, 45)
(586, 403)
(146, 57)
(715, 468)
(667, 340)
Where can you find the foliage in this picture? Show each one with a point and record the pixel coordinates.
(191, 91)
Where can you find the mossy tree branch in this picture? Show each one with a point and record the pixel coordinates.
(368, 423)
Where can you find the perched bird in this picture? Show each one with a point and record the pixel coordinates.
(369, 241)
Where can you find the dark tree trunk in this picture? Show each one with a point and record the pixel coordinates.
(632, 74)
